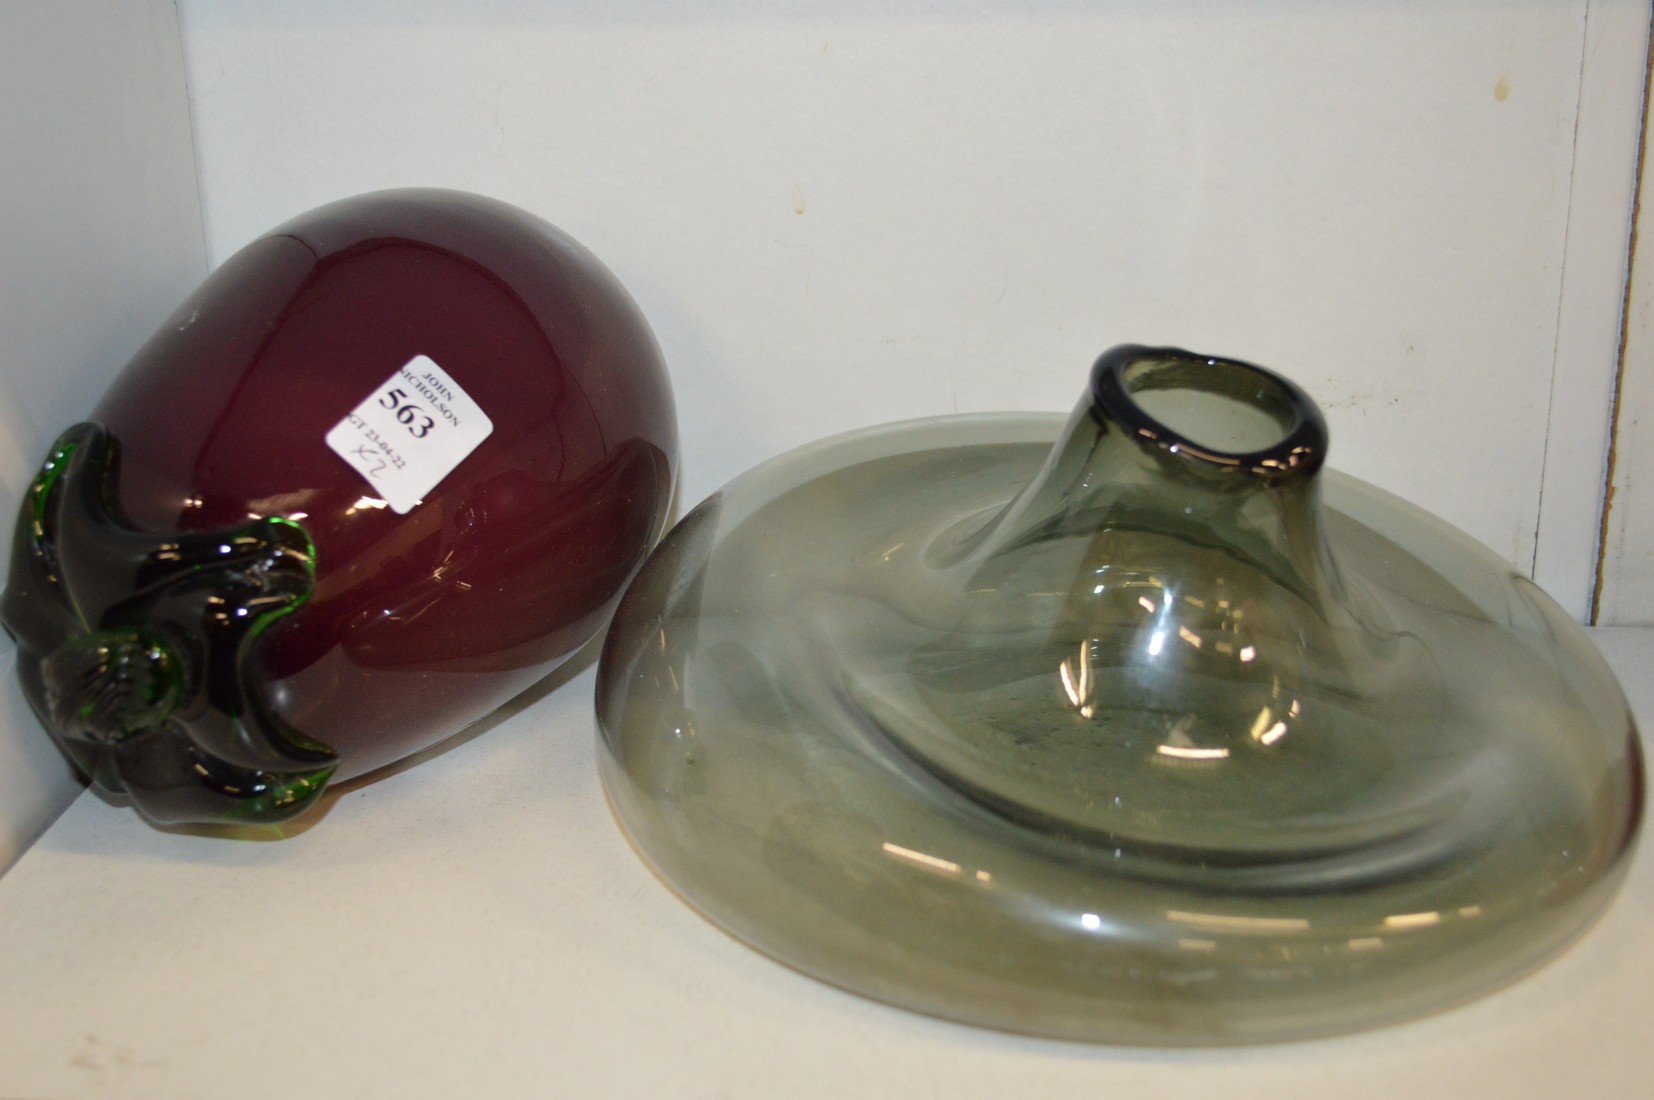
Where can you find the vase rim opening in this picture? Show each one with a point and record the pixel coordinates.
(1226, 414)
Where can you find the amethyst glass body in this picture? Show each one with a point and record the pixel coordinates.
(419, 623)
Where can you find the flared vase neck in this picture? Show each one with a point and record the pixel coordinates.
(1216, 452)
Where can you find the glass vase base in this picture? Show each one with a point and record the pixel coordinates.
(1089, 802)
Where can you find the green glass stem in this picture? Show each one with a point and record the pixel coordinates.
(137, 649)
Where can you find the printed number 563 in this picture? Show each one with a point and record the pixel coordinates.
(408, 414)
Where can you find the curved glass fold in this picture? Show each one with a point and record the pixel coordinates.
(136, 648)
(1135, 728)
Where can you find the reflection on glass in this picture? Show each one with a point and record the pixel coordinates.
(1253, 751)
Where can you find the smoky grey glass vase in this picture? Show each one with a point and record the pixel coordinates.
(1139, 727)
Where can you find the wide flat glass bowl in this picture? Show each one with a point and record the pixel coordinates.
(1137, 727)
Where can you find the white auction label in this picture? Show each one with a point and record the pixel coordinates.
(410, 433)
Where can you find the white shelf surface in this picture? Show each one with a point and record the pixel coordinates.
(478, 925)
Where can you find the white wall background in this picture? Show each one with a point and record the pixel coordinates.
(842, 213)
(839, 213)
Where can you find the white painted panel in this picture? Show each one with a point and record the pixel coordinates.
(1602, 196)
(100, 237)
(841, 214)
(1626, 595)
